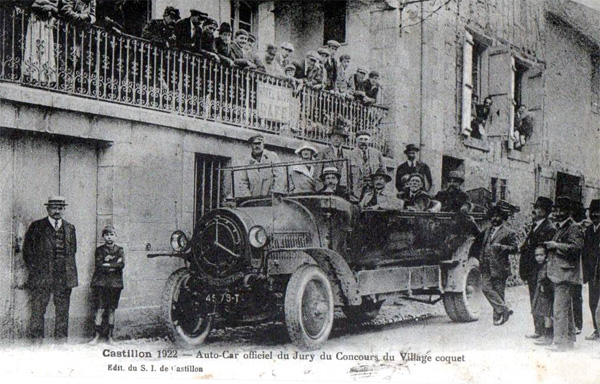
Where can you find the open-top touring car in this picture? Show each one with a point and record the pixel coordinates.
(296, 257)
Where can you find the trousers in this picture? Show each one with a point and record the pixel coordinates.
(493, 289)
(564, 323)
(578, 306)
(40, 298)
(538, 321)
(594, 297)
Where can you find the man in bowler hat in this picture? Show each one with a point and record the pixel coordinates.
(497, 243)
(541, 231)
(49, 253)
(591, 264)
(564, 271)
(411, 166)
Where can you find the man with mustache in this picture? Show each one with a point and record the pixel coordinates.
(364, 161)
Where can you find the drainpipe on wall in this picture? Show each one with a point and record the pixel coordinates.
(421, 96)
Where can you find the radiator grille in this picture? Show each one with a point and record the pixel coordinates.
(291, 240)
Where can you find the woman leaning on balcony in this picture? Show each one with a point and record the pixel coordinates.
(39, 62)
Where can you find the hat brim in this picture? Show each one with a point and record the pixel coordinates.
(339, 175)
(57, 204)
(387, 178)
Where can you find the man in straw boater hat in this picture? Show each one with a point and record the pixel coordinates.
(591, 264)
(379, 197)
(303, 177)
(412, 165)
(331, 182)
(541, 231)
(496, 243)
(49, 253)
(364, 161)
(564, 272)
(261, 181)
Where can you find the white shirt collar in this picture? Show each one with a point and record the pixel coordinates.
(596, 227)
(562, 223)
(52, 222)
(538, 223)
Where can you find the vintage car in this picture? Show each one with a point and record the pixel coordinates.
(296, 257)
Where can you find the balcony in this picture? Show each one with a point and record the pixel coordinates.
(89, 62)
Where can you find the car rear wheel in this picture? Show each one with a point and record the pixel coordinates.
(466, 306)
(184, 313)
(366, 311)
(309, 307)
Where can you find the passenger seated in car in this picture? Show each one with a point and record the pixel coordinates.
(331, 179)
(423, 202)
(414, 185)
(379, 197)
(302, 176)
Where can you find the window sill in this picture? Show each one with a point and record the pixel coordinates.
(513, 154)
(480, 144)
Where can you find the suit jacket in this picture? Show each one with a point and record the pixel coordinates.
(528, 267)
(591, 255)
(331, 70)
(302, 180)
(39, 257)
(158, 32)
(385, 200)
(109, 264)
(564, 262)
(263, 181)
(183, 32)
(78, 10)
(359, 168)
(452, 200)
(495, 261)
(330, 153)
(405, 169)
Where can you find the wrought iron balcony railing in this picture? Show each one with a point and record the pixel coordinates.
(88, 61)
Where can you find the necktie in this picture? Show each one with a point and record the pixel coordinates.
(364, 156)
(373, 201)
(56, 225)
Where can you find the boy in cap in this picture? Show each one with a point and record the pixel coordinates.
(107, 282)
(357, 83)
(283, 57)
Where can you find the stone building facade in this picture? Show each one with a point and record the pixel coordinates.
(151, 169)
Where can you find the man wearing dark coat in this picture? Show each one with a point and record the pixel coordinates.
(453, 198)
(591, 264)
(542, 230)
(564, 271)
(411, 166)
(497, 243)
(49, 253)
(186, 29)
(162, 31)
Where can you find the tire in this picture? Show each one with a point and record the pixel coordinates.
(366, 311)
(466, 306)
(181, 316)
(308, 307)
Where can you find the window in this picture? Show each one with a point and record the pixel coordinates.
(518, 95)
(450, 164)
(334, 21)
(208, 183)
(477, 68)
(499, 189)
(569, 185)
(475, 111)
(596, 84)
(242, 15)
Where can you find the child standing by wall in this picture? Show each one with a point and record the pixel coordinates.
(107, 282)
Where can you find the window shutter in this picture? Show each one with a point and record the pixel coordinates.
(501, 82)
(467, 86)
(534, 100)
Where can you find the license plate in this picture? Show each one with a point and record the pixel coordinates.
(223, 298)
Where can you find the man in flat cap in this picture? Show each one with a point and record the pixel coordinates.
(186, 29)
(49, 253)
(342, 80)
(364, 161)
(331, 64)
(283, 56)
(162, 31)
(372, 89)
(206, 41)
(496, 243)
(239, 50)
(357, 83)
(262, 181)
(412, 165)
(541, 231)
(591, 264)
(564, 272)
(311, 71)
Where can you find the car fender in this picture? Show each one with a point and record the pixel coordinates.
(453, 271)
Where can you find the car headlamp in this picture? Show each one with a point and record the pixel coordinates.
(179, 241)
(258, 236)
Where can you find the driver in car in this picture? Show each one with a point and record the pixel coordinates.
(379, 197)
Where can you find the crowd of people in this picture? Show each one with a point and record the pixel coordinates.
(319, 69)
